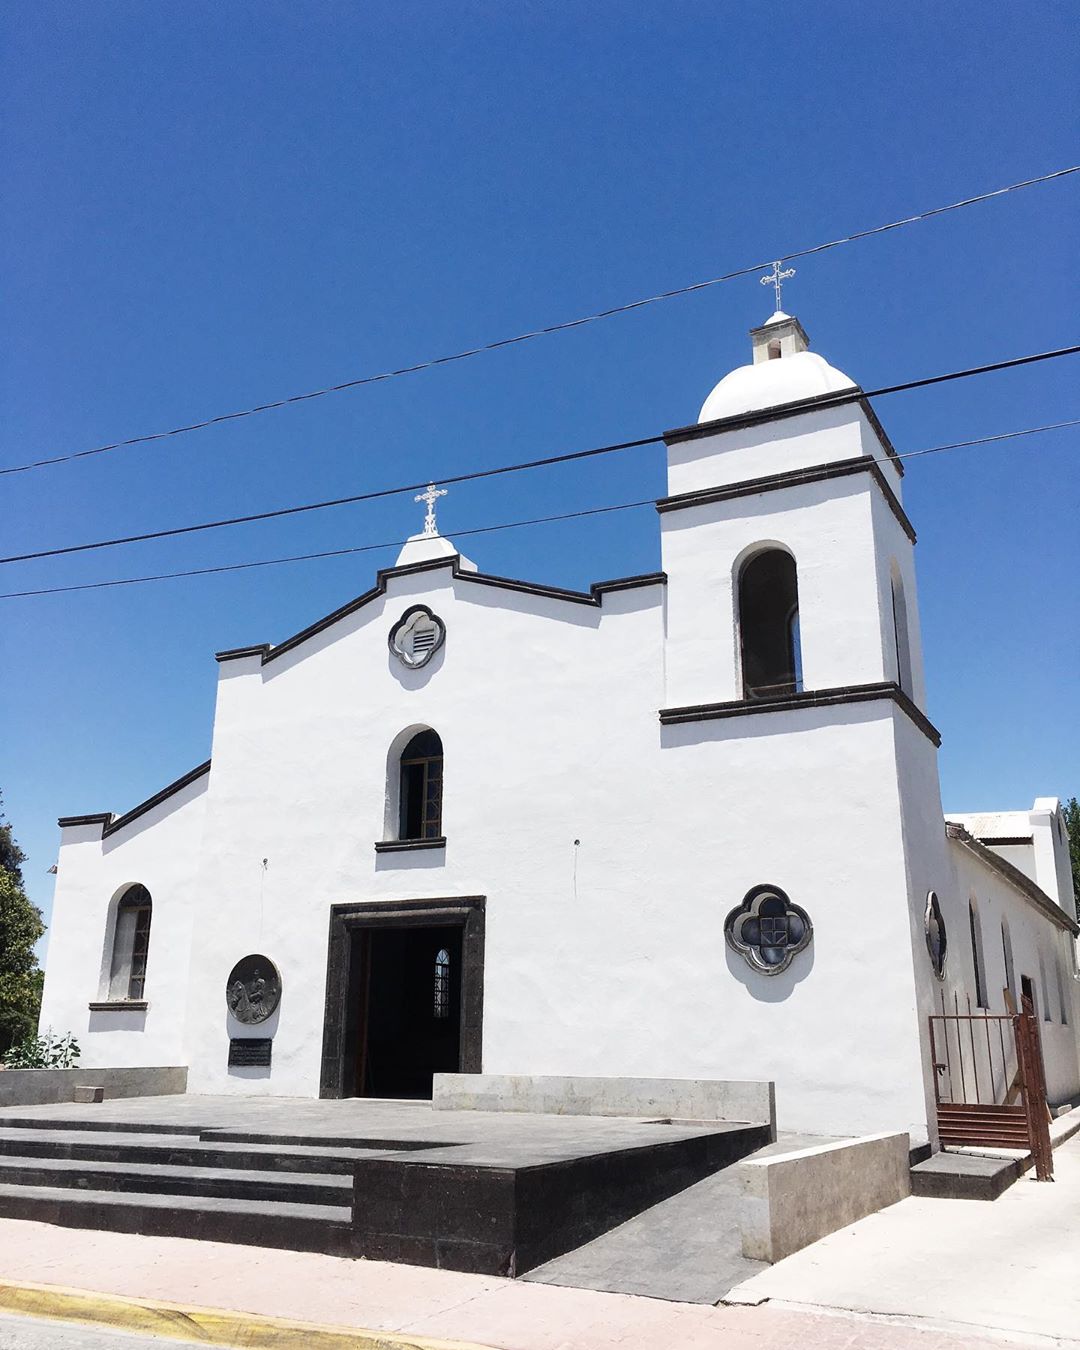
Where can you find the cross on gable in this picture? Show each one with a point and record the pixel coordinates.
(431, 496)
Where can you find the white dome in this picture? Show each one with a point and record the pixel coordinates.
(770, 383)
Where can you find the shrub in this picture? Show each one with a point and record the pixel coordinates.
(45, 1051)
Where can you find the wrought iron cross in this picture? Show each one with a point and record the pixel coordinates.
(431, 496)
(776, 280)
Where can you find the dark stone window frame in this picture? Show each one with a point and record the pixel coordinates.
(467, 912)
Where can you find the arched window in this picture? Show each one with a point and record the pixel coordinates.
(1063, 1002)
(977, 956)
(420, 812)
(901, 635)
(1007, 952)
(1045, 988)
(131, 943)
(442, 985)
(769, 625)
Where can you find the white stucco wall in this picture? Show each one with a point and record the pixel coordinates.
(603, 956)
(161, 850)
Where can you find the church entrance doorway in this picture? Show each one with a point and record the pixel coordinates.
(408, 1023)
(404, 996)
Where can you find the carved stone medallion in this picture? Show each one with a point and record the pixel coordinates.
(767, 930)
(937, 942)
(417, 636)
(253, 989)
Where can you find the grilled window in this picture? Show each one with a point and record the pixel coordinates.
(131, 945)
(421, 787)
(442, 985)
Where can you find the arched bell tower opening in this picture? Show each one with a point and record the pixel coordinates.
(768, 617)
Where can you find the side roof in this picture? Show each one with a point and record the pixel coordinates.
(1017, 879)
(112, 823)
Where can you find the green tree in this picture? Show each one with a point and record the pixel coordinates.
(20, 927)
(1072, 824)
(11, 855)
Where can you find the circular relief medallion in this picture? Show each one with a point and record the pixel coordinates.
(417, 636)
(767, 930)
(937, 943)
(253, 989)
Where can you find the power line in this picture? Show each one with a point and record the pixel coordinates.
(841, 397)
(481, 529)
(540, 332)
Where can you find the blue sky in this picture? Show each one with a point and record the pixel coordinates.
(213, 205)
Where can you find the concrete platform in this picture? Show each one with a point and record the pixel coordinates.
(964, 1176)
(492, 1193)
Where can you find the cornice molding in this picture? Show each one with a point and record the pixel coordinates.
(775, 482)
(593, 597)
(782, 412)
(810, 698)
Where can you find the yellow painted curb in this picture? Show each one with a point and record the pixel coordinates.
(204, 1326)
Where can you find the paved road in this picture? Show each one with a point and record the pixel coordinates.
(32, 1333)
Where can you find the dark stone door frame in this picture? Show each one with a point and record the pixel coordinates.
(466, 912)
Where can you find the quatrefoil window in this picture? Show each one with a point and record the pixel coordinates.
(767, 930)
(417, 636)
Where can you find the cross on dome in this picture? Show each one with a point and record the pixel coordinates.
(776, 278)
(431, 496)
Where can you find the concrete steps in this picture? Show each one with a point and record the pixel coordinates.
(310, 1188)
(316, 1228)
(180, 1150)
(177, 1181)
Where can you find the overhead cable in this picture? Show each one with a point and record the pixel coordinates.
(482, 529)
(841, 397)
(562, 327)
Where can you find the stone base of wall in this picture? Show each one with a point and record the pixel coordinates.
(668, 1098)
(42, 1087)
(789, 1200)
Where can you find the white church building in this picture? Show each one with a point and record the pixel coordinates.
(684, 825)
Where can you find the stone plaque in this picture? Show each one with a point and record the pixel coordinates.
(253, 989)
(250, 1051)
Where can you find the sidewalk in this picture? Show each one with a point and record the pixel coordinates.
(1011, 1264)
(401, 1302)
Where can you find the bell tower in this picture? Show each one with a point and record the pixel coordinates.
(789, 556)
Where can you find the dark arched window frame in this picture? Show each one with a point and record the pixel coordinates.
(131, 945)
(768, 617)
(420, 787)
